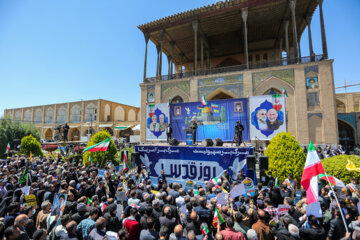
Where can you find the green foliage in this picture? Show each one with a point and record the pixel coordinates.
(10, 130)
(285, 156)
(336, 166)
(98, 157)
(30, 144)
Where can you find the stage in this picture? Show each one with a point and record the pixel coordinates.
(194, 163)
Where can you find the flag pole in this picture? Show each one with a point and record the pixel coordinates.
(337, 201)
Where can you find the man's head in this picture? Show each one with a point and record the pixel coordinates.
(71, 227)
(353, 180)
(154, 118)
(21, 220)
(150, 223)
(178, 230)
(251, 234)
(167, 211)
(94, 213)
(272, 115)
(12, 233)
(293, 230)
(161, 118)
(100, 224)
(219, 236)
(229, 222)
(261, 115)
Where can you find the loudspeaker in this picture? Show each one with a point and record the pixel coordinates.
(207, 142)
(174, 142)
(263, 163)
(250, 162)
(218, 142)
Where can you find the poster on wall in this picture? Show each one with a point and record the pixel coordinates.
(267, 116)
(217, 119)
(157, 120)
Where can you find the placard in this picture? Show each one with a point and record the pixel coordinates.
(157, 120)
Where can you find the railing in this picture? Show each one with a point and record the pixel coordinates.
(236, 68)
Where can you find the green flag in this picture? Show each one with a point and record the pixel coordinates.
(23, 176)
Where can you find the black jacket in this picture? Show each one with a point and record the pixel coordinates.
(337, 229)
(313, 233)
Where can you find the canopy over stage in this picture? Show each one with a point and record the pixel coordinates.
(198, 164)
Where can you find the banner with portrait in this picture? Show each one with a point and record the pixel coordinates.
(217, 119)
(157, 120)
(267, 116)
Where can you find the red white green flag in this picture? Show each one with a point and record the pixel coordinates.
(309, 180)
(203, 101)
(217, 218)
(101, 146)
(7, 148)
(333, 180)
(284, 93)
(215, 181)
(169, 102)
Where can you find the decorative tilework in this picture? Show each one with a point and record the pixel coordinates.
(231, 83)
(314, 68)
(286, 75)
(349, 118)
(150, 88)
(184, 85)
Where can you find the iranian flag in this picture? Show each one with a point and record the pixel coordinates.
(284, 93)
(217, 218)
(309, 180)
(169, 102)
(333, 180)
(215, 181)
(203, 101)
(126, 162)
(7, 148)
(101, 146)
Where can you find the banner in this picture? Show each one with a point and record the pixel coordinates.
(267, 116)
(157, 120)
(217, 119)
(198, 164)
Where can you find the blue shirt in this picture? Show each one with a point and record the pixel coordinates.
(85, 227)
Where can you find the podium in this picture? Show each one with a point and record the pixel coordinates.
(189, 136)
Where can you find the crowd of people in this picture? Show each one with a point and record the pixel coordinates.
(127, 205)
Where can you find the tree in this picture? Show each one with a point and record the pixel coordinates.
(100, 158)
(285, 156)
(336, 166)
(10, 131)
(29, 144)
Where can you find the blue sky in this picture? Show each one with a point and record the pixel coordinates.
(67, 50)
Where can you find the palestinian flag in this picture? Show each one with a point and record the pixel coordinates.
(125, 160)
(24, 176)
(203, 101)
(333, 180)
(284, 93)
(101, 146)
(217, 218)
(7, 148)
(215, 181)
(309, 180)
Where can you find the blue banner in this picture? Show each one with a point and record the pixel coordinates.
(198, 164)
(215, 120)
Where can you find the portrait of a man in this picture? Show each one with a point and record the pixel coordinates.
(154, 125)
(151, 97)
(312, 83)
(261, 119)
(162, 124)
(238, 107)
(273, 123)
(177, 111)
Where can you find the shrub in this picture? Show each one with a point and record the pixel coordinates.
(98, 157)
(336, 166)
(29, 144)
(285, 156)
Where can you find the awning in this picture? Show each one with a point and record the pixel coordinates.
(121, 127)
(136, 127)
(105, 125)
(48, 127)
(74, 126)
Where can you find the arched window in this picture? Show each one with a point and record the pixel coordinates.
(177, 99)
(49, 115)
(131, 115)
(107, 113)
(90, 112)
(18, 115)
(38, 116)
(61, 115)
(75, 114)
(272, 91)
(27, 115)
(119, 114)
